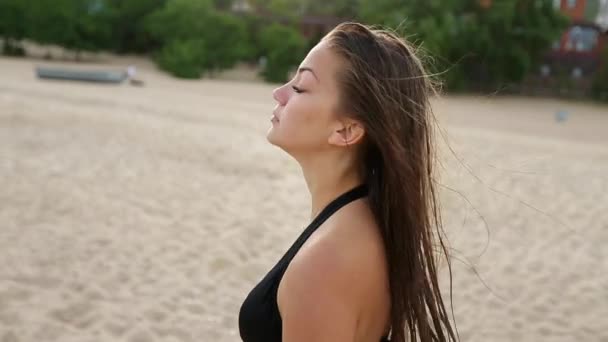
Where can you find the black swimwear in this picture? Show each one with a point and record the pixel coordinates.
(259, 317)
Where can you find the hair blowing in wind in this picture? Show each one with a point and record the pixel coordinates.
(384, 86)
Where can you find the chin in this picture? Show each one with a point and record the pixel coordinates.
(272, 138)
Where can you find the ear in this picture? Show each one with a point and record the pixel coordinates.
(347, 133)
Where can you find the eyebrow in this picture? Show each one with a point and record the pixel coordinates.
(302, 69)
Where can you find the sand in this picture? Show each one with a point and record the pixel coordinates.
(147, 214)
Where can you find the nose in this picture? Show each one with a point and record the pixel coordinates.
(280, 95)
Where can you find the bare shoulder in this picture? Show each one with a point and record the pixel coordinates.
(334, 277)
(347, 248)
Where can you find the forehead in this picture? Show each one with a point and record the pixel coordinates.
(323, 61)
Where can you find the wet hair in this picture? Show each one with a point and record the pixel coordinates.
(384, 86)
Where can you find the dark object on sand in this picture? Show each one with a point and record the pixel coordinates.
(82, 75)
(136, 82)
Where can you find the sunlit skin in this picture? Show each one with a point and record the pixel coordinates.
(336, 287)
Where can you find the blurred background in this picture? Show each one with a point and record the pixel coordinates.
(527, 47)
(140, 201)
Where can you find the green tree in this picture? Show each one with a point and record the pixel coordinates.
(599, 88)
(508, 39)
(215, 40)
(223, 5)
(478, 45)
(284, 48)
(295, 9)
(74, 24)
(128, 30)
(183, 58)
(12, 25)
(179, 19)
(225, 41)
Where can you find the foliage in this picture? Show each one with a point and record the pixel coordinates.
(480, 46)
(599, 89)
(296, 9)
(283, 47)
(179, 19)
(207, 39)
(223, 5)
(473, 46)
(226, 41)
(128, 31)
(12, 26)
(73, 24)
(183, 58)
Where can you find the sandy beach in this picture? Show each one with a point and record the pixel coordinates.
(146, 214)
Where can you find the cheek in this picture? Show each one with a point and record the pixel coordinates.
(304, 114)
(304, 122)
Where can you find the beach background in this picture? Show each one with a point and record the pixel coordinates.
(145, 214)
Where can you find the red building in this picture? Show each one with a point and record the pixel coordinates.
(575, 9)
(579, 49)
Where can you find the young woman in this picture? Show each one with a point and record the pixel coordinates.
(356, 117)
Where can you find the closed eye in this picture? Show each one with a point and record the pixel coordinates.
(297, 90)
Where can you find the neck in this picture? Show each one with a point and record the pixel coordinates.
(327, 178)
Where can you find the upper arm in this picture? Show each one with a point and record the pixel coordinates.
(317, 298)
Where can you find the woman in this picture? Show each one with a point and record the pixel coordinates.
(356, 117)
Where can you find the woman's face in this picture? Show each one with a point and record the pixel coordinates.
(305, 117)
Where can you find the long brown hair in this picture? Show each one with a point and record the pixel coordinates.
(384, 86)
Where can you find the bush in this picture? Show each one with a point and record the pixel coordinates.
(253, 25)
(74, 24)
(202, 38)
(183, 58)
(178, 19)
(128, 30)
(225, 41)
(599, 88)
(479, 46)
(284, 48)
(12, 26)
